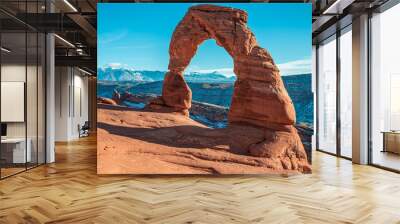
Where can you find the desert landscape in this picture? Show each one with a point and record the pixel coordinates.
(257, 134)
(142, 142)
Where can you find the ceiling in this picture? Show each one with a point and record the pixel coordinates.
(331, 15)
(75, 23)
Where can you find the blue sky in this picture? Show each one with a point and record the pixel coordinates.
(137, 36)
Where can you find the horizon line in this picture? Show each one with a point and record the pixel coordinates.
(295, 67)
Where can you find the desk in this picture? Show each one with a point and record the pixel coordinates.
(15, 148)
(391, 141)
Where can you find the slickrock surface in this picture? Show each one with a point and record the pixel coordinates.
(259, 97)
(141, 142)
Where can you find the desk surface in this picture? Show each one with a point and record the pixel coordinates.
(391, 132)
(13, 140)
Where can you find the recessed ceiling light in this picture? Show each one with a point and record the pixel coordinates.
(70, 5)
(5, 50)
(64, 40)
(86, 72)
(337, 7)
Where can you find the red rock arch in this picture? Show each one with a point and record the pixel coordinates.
(259, 97)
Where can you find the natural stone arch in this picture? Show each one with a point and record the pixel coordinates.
(259, 98)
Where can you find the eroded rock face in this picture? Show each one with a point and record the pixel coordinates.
(104, 100)
(259, 97)
(142, 142)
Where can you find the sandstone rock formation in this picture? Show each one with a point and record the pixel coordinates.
(104, 100)
(120, 98)
(259, 97)
(142, 142)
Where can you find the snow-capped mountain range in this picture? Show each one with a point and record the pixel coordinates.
(126, 74)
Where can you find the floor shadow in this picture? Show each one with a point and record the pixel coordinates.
(187, 136)
(234, 138)
(116, 107)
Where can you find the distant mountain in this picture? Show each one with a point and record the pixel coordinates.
(214, 93)
(125, 74)
(208, 77)
(220, 93)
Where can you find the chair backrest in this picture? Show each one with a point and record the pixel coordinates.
(86, 125)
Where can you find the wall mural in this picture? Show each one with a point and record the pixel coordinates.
(195, 119)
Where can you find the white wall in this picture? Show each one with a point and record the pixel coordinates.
(17, 73)
(71, 103)
(81, 104)
(33, 126)
(61, 103)
(14, 73)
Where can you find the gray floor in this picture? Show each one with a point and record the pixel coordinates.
(387, 159)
